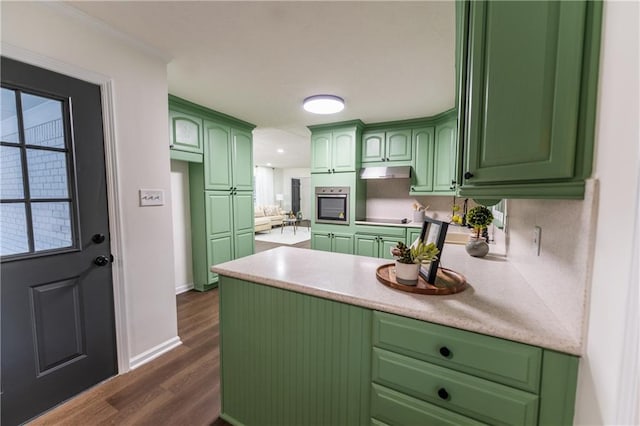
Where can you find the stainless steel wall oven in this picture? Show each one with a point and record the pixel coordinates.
(332, 204)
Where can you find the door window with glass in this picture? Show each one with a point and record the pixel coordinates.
(37, 207)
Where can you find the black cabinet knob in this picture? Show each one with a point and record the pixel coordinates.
(445, 352)
(468, 175)
(333, 170)
(101, 260)
(388, 159)
(413, 188)
(443, 394)
(328, 170)
(98, 238)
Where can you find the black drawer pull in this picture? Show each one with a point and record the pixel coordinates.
(445, 352)
(442, 393)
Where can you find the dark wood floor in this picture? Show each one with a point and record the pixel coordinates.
(263, 245)
(181, 387)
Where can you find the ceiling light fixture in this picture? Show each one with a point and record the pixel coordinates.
(280, 150)
(324, 104)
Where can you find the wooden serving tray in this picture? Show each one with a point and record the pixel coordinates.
(447, 281)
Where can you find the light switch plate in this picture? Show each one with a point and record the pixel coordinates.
(535, 242)
(151, 197)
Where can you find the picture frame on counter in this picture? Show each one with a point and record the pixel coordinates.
(433, 231)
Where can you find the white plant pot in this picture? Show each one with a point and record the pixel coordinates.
(407, 273)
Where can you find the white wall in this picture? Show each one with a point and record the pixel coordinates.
(140, 104)
(183, 271)
(601, 399)
(284, 183)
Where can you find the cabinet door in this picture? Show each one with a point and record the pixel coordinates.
(385, 246)
(422, 160)
(321, 153)
(243, 243)
(186, 132)
(321, 241)
(243, 211)
(343, 243)
(445, 157)
(398, 145)
(366, 245)
(242, 163)
(217, 157)
(412, 235)
(524, 90)
(219, 213)
(373, 147)
(343, 151)
(220, 251)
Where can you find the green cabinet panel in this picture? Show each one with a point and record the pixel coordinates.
(531, 81)
(217, 156)
(398, 145)
(445, 157)
(395, 408)
(462, 393)
(373, 148)
(558, 389)
(244, 243)
(342, 243)
(422, 162)
(334, 147)
(366, 245)
(292, 359)
(321, 161)
(222, 221)
(185, 132)
(386, 148)
(412, 235)
(243, 211)
(220, 250)
(344, 151)
(332, 241)
(385, 245)
(242, 160)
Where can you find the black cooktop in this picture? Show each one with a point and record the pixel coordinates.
(392, 221)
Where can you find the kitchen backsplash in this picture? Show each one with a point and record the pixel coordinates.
(560, 275)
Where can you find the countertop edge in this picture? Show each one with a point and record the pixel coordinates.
(568, 346)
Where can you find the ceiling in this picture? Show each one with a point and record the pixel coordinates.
(257, 61)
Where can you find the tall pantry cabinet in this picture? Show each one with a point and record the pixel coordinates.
(221, 194)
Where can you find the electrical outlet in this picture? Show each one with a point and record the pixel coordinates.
(151, 197)
(535, 242)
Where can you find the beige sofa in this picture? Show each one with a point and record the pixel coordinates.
(266, 217)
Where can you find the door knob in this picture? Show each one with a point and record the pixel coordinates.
(101, 260)
(98, 238)
(468, 175)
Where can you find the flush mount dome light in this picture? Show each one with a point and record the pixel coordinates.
(324, 104)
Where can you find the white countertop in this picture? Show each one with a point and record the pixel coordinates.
(498, 301)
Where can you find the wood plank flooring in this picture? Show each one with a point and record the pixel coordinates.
(182, 387)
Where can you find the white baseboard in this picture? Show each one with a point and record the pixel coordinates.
(184, 288)
(154, 352)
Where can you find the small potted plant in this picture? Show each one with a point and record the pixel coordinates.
(479, 217)
(409, 260)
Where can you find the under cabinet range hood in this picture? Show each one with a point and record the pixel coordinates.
(396, 172)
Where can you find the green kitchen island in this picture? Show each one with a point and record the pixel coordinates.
(312, 338)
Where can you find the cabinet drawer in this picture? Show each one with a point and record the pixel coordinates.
(387, 231)
(462, 393)
(389, 407)
(502, 361)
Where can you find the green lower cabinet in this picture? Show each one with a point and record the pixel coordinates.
(332, 241)
(377, 241)
(292, 359)
(413, 234)
(220, 250)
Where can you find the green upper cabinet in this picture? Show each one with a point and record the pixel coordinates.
(435, 156)
(185, 135)
(382, 147)
(422, 160)
(445, 157)
(530, 101)
(333, 147)
(228, 158)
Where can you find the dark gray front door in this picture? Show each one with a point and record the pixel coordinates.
(57, 316)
